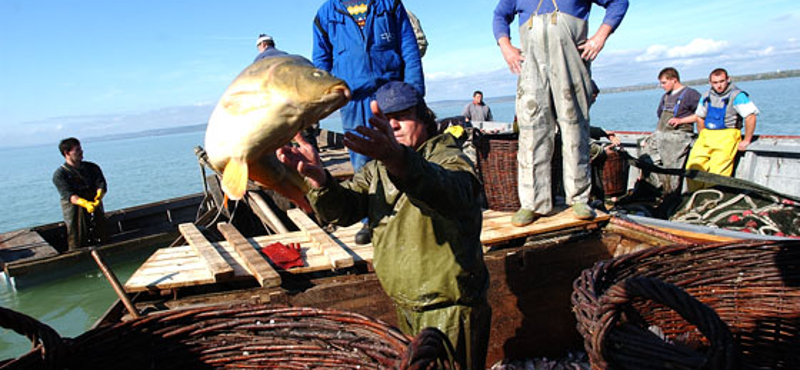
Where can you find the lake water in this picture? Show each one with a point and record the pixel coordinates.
(149, 169)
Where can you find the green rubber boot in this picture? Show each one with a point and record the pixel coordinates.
(524, 217)
(582, 211)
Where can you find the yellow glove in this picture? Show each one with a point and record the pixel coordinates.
(86, 204)
(99, 196)
(455, 130)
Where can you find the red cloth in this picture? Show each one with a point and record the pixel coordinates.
(284, 256)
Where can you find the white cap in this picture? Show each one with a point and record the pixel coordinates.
(262, 37)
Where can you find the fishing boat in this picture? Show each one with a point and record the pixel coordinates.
(37, 254)
(532, 268)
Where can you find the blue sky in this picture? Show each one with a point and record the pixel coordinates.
(87, 68)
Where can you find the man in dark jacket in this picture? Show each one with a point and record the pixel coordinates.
(82, 186)
(367, 44)
(421, 197)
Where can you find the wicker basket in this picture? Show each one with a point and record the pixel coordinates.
(225, 337)
(615, 173)
(497, 164)
(742, 309)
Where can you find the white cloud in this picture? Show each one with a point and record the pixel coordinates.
(695, 48)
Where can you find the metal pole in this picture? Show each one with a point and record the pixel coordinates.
(114, 283)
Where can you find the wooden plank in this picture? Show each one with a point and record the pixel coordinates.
(261, 269)
(697, 236)
(497, 227)
(24, 245)
(216, 264)
(339, 257)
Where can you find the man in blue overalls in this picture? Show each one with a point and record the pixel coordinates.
(554, 87)
(367, 43)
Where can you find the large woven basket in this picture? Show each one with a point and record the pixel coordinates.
(232, 337)
(497, 164)
(717, 306)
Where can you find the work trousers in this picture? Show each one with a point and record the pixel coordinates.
(554, 87)
(714, 152)
(466, 327)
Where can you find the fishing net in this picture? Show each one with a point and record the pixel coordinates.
(233, 337)
(757, 213)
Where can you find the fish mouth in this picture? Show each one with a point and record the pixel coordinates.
(338, 96)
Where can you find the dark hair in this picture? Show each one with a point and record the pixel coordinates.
(427, 117)
(477, 92)
(669, 72)
(718, 71)
(68, 144)
(270, 42)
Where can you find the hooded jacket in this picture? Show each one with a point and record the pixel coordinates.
(384, 50)
(425, 229)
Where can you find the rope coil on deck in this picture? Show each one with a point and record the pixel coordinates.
(243, 336)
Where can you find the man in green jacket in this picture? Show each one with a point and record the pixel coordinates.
(420, 195)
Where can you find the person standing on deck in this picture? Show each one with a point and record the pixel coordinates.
(421, 195)
(554, 87)
(81, 185)
(266, 48)
(719, 115)
(668, 146)
(367, 43)
(477, 110)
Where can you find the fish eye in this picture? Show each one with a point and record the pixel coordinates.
(316, 74)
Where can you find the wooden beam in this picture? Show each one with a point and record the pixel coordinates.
(339, 257)
(265, 213)
(219, 268)
(254, 261)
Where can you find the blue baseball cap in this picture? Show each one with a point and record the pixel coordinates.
(396, 96)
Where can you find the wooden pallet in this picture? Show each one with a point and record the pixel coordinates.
(238, 258)
(497, 227)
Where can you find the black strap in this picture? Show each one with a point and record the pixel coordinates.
(702, 176)
(321, 30)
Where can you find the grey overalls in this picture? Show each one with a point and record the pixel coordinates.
(667, 147)
(554, 87)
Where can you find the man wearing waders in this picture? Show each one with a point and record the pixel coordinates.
(668, 146)
(82, 186)
(720, 114)
(554, 86)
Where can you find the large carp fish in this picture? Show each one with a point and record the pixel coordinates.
(262, 110)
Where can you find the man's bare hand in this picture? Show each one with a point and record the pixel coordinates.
(377, 142)
(305, 160)
(591, 48)
(511, 54)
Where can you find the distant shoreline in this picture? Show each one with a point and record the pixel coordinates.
(499, 99)
(704, 81)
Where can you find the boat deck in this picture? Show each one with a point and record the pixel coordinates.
(199, 263)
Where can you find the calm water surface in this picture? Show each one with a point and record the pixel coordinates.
(150, 169)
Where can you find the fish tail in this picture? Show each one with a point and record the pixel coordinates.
(295, 194)
(234, 179)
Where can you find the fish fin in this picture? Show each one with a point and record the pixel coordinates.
(272, 174)
(234, 179)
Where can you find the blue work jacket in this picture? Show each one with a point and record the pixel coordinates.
(384, 50)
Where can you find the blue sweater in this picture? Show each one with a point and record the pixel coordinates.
(385, 50)
(506, 10)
